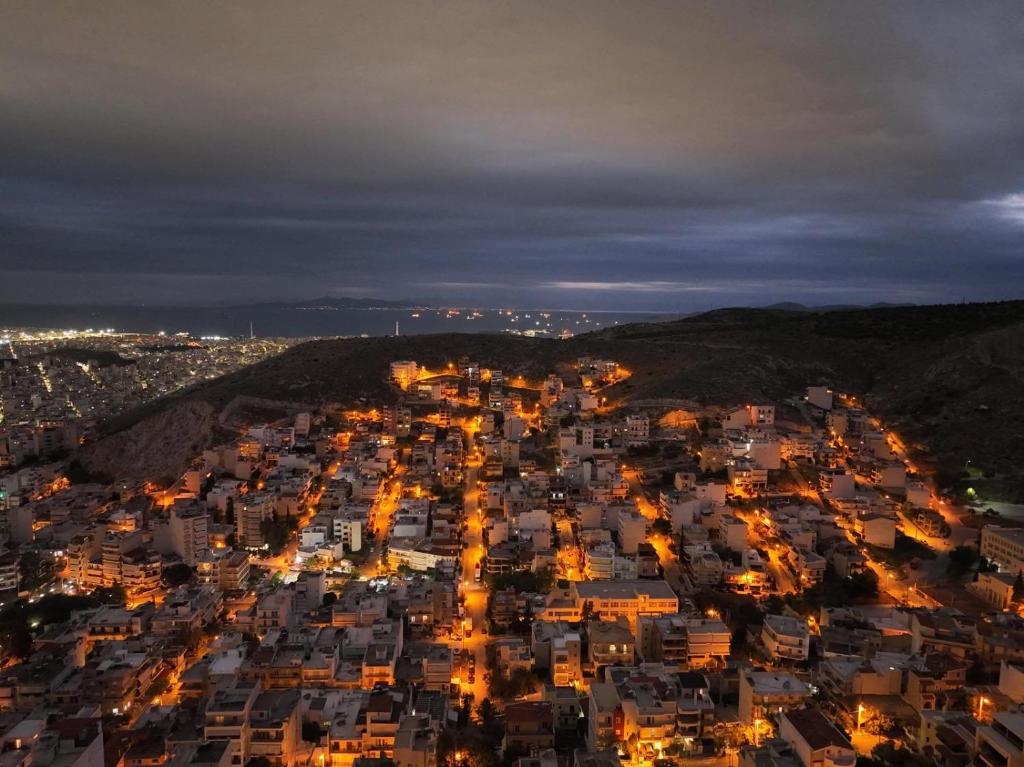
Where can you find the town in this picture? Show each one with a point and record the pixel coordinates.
(494, 570)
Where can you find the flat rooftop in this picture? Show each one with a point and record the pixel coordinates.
(624, 589)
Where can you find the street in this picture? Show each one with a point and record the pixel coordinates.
(475, 593)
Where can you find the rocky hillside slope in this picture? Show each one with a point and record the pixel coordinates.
(950, 376)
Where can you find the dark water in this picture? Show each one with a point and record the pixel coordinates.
(295, 322)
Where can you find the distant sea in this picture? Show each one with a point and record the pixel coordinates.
(292, 322)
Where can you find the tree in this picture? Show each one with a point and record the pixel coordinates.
(661, 526)
(275, 534)
(311, 732)
(466, 709)
(523, 582)
(177, 574)
(446, 746)
(34, 570)
(520, 682)
(159, 687)
(15, 639)
(111, 595)
(887, 755)
(962, 560)
(486, 712)
(490, 726)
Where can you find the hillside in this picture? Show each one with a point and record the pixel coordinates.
(951, 377)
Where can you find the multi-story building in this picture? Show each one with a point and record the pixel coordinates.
(1004, 546)
(632, 529)
(733, 532)
(529, 725)
(415, 742)
(9, 571)
(604, 719)
(383, 716)
(786, 638)
(627, 598)
(404, 373)
(274, 727)
(1001, 744)
(682, 642)
(763, 693)
(189, 534)
(638, 430)
(696, 710)
(273, 611)
(610, 643)
(815, 740)
(250, 512)
(226, 571)
(141, 570)
(233, 571)
(227, 718)
(934, 681)
(566, 659)
(649, 715)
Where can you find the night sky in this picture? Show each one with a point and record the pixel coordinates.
(627, 155)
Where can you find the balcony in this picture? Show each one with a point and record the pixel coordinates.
(840, 760)
(990, 757)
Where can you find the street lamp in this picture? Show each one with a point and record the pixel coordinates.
(860, 715)
(981, 705)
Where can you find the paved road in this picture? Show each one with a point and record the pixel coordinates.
(669, 561)
(475, 593)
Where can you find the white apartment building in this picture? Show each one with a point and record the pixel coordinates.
(1001, 744)
(250, 512)
(1004, 546)
(189, 533)
(786, 638)
(815, 739)
(627, 598)
(638, 430)
(763, 693)
(404, 372)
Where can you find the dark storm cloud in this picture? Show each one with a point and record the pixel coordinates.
(655, 155)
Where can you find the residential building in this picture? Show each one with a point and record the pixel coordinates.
(786, 638)
(610, 642)
(763, 693)
(529, 726)
(1004, 546)
(227, 718)
(274, 727)
(1001, 744)
(250, 513)
(815, 739)
(189, 535)
(628, 598)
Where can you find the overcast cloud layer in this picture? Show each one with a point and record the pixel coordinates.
(665, 156)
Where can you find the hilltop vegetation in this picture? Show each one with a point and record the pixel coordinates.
(950, 378)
